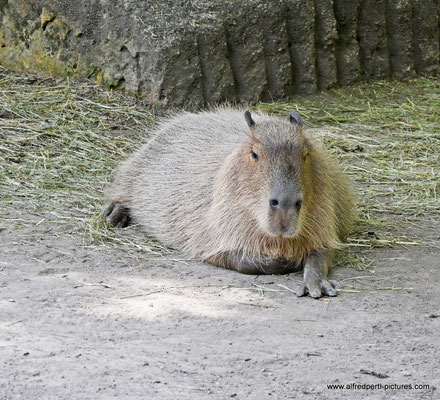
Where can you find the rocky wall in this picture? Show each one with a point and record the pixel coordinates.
(192, 53)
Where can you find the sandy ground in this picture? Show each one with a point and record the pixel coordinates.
(82, 322)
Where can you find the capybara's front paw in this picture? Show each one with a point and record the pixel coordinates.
(117, 214)
(316, 287)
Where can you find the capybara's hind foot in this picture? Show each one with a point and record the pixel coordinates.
(117, 214)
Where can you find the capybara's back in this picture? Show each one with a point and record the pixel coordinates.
(168, 183)
(250, 193)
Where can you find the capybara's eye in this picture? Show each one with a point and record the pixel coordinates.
(255, 156)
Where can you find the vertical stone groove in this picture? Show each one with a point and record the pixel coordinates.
(232, 63)
(203, 82)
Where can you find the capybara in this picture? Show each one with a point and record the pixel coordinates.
(245, 192)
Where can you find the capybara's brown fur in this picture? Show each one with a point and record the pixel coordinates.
(250, 193)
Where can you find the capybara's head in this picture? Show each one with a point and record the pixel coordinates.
(275, 158)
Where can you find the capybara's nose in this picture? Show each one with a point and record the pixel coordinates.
(285, 204)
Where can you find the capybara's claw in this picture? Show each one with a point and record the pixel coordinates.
(317, 288)
(328, 289)
(117, 214)
(107, 209)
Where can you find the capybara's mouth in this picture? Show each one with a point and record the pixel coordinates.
(281, 230)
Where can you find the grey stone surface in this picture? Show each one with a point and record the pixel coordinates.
(426, 36)
(347, 44)
(301, 32)
(400, 38)
(191, 53)
(326, 36)
(373, 45)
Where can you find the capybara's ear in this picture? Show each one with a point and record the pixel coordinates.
(295, 118)
(249, 120)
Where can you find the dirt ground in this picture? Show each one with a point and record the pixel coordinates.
(86, 313)
(79, 322)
